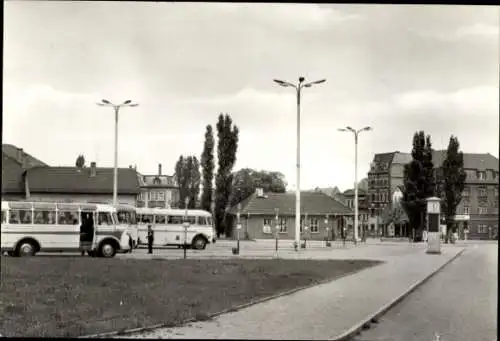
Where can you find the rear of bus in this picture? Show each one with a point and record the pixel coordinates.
(127, 218)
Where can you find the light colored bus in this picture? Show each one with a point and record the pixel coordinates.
(32, 227)
(127, 218)
(168, 227)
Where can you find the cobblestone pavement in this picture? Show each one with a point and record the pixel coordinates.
(326, 310)
(458, 304)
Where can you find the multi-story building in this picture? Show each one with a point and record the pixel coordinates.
(385, 175)
(479, 207)
(158, 190)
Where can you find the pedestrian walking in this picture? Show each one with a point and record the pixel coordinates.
(151, 238)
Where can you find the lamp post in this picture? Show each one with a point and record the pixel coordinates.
(106, 103)
(327, 231)
(356, 133)
(186, 225)
(276, 217)
(238, 227)
(298, 87)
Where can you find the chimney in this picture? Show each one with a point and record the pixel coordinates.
(159, 169)
(20, 157)
(93, 169)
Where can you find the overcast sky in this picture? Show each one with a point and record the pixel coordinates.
(396, 68)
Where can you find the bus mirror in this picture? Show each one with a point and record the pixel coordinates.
(186, 224)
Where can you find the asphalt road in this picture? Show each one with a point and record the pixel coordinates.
(458, 304)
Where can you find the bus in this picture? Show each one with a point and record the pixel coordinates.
(32, 227)
(127, 218)
(169, 230)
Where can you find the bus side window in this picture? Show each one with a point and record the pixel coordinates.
(45, 217)
(192, 220)
(175, 219)
(160, 219)
(147, 219)
(104, 218)
(138, 218)
(68, 218)
(21, 217)
(4, 217)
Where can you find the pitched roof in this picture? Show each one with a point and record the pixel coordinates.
(12, 175)
(163, 180)
(350, 192)
(78, 180)
(384, 157)
(12, 152)
(330, 191)
(471, 160)
(314, 203)
(401, 158)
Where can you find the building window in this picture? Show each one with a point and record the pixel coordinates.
(142, 196)
(496, 192)
(482, 210)
(483, 192)
(156, 181)
(481, 175)
(314, 225)
(482, 228)
(466, 210)
(266, 226)
(282, 225)
(4, 217)
(157, 196)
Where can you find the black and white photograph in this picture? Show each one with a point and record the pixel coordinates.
(258, 170)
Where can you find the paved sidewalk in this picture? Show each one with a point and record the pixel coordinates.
(327, 310)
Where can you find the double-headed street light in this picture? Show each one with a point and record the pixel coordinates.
(298, 88)
(356, 133)
(106, 103)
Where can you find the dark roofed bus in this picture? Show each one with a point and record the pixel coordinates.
(32, 227)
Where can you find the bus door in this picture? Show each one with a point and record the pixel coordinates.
(87, 231)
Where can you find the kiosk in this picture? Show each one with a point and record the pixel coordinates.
(433, 228)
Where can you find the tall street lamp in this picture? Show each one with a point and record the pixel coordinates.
(298, 88)
(356, 133)
(106, 103)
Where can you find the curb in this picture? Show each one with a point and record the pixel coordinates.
(353, 331)
(211, 316)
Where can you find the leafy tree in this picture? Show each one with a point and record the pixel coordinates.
(246, 180)
(419, 182)
(227, 146)
(187, 173)
(451, 184)
(80, 161)
(208, 166)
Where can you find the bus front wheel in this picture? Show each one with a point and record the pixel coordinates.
(199, 243)
(107, 250)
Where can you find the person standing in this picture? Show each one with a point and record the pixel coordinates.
(150, 239)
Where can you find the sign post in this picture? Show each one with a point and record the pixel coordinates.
(433, 222)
